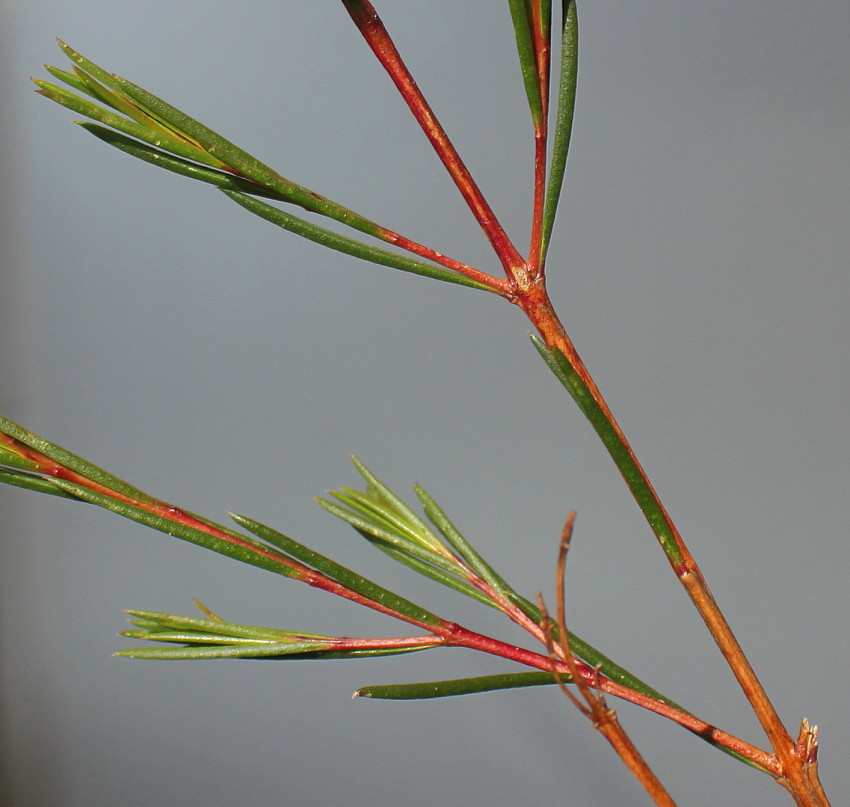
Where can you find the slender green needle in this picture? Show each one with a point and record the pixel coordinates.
(429, 569)
(156, 122)
(396, 544)
(160, 115)
(39, 484)
(12, 459)
(442, 522)
(212, 651)
(389, 500)
(281, 651)
(177, 165)
(71, 461)
(623, 459)
(563, 118)
(155, 620)
(458, 686)
(125, 125)
(71, 79)
(242, 162)
(375, 510)
(228, 640)
(241, 548)
(349, 246)
(410, 553)
(521, 18)
(339, 573)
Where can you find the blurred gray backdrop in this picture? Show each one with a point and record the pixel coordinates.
(148, 324)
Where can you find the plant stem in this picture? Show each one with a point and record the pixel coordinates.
(796, 770)
(458, 636)
(540, 37)
(372, 28)
(594, 708)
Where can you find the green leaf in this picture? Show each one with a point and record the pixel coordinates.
(350, 246)
(71, 461)
(73, 80)
(398, 546)
(339, 573)
(214, 638)
(112, 90)
(457, 686)
(632, 473)
(177, 165)
(154, 621)
(236, 546)
(390, 523)
(442, 522)
(39, 484)
(154, 121)
(424, 564)
(162, 118)
(133, 128)
(390, 502)
(522, 22)
(383, 518)
(243, 163)
(563, 119)
(282, 651)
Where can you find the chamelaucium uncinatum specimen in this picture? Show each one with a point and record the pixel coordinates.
(142, 125)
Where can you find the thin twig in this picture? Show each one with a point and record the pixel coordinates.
(596, 709)
(372, 28)
(540, 34)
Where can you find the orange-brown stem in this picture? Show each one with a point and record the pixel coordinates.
(594, 708)
(793, 770)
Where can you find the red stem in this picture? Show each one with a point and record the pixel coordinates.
(447, 633)
(462, 637)
(370, 26)
(348, 643)
(535, 252)
(539, 28)
(496, 283)
(174, 514)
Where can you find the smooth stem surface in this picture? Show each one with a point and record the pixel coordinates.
(370, 26)
(796, 769)
(458, 636)
(594, 708)
(540, 38)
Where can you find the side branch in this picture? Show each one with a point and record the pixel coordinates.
(372, 28)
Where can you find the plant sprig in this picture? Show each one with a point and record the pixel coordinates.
(143, 125)
(440, 553)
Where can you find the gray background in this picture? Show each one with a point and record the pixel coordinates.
(150, 325)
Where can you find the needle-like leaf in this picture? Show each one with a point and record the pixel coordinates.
(522, 22)
(563, 119)
(612, 439)
(127, 126)
(70, 461)
(457, 686)
(349, 246)
(411, 554)
(39, 484)
(161, 118)
(337, 572)
(229, 543)
(176, 164)
(442, 522)
(213, 638)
